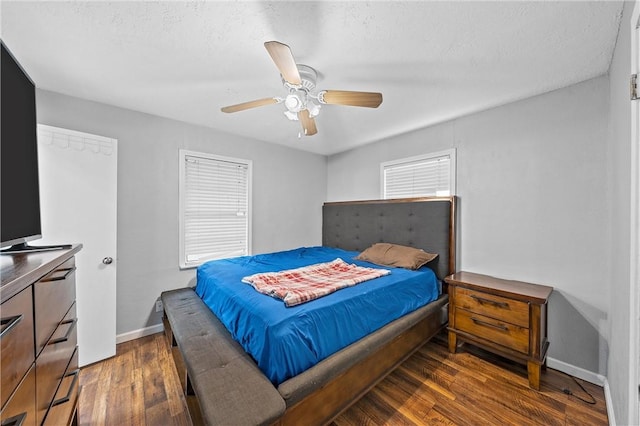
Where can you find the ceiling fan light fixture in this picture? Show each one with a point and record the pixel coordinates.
(291, 115)
(294, 102)
(313, 108)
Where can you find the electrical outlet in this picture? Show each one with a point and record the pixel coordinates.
(159, 306)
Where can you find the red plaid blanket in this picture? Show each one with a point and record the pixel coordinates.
(296, 286)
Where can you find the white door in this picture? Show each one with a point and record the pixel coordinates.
(78, 205)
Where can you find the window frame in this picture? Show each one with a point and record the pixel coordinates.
(451, 153)
(183, 154)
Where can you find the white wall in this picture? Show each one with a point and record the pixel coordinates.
(288, 192)
(622, 385)
(532, 182)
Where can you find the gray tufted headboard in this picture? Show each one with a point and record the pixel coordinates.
(426, 223)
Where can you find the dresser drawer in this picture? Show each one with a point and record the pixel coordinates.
(16, 340)
(53, 361)
(64, 403)
(21, 406)
(509, 310)
(53, 296)
(510, 335)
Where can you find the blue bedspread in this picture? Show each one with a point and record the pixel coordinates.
(286, 341)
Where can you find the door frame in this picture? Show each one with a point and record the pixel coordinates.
(634, 281)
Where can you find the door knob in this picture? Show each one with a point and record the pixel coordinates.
(107, 260)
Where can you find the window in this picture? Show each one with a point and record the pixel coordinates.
(215, 210)
(423, 176)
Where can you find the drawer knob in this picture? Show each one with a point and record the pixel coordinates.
(107, 260)
(59, 274)
(15, 420)
(67, 398)
(9, 323)
(72, 324)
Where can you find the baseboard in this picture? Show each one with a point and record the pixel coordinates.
(136, 334)
(580, 373)
(607, 398)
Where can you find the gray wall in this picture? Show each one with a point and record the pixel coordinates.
(532, 182)
(288, 192)
(621, 383)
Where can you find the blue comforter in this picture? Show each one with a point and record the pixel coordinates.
(286, 341)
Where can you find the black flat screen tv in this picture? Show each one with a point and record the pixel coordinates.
(20, 197)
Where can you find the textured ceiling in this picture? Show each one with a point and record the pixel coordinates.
(433, 61)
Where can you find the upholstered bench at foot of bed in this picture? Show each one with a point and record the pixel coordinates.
(229, 387)
(223, 385)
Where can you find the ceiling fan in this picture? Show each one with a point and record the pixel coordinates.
(302, 102)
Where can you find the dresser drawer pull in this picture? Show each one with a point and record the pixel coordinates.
(67, 334)
(488, 324)
(15, 420)
(53, 277)
(67, 397)
(8, 323)
(489, 301)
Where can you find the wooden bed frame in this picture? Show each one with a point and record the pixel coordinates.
(205, 353)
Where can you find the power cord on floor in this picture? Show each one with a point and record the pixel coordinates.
(570, 392)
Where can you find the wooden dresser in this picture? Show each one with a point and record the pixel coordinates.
(39, 368)
(503, 316)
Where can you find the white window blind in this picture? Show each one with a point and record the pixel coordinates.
(422, 176)
(214, 206)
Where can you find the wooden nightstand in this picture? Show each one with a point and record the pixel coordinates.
(506, 317)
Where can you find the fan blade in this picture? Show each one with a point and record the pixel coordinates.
(308, 123)
(346, 97)
(250, 104)
(283, 58)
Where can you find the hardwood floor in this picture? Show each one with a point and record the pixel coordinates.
(139, 386)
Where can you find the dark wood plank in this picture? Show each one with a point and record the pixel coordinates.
(431, 387)
(478, 387)
(139, 386)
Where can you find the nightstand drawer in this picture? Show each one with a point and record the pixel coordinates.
(500, 332)
(509, 310)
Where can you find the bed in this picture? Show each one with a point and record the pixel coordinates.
(224, 384)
